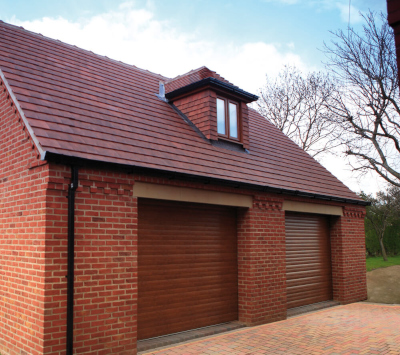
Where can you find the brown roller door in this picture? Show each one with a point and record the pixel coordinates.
(308, 259)
(187, 260)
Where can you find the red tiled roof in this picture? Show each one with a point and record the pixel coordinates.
(83, 105)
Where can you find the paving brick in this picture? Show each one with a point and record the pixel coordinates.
(359, 328)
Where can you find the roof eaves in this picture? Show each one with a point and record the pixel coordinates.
(71, 160)
(215, 83)
(21, 113)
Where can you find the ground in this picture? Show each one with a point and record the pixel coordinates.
(358, 328)
(384, 285)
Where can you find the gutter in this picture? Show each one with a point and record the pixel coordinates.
(71, 160)
(71, 262)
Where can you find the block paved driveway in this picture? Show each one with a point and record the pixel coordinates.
(358, 328)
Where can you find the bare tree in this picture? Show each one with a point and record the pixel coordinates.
(367, 107)
(297, 105)
(384, 208)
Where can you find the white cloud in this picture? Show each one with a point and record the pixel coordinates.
(289, 2)
(355, 16)
(254, 60)
(134, 36)
(290, 45)
(339, 167)
(331, 5)
(341, 5)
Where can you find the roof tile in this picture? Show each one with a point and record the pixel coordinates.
(84, 105)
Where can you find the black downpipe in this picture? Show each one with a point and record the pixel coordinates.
(71, 246)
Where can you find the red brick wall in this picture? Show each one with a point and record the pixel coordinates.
(22, 237)
(348, 256)
(56, 266)
(261, 262)
(105, 263)
(201, 109)
(245, 125)
(33, 252)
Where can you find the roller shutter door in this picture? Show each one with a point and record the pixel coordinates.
(308, 259)
(187, 263)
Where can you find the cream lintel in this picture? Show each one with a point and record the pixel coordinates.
(296, 206)
(186, 194)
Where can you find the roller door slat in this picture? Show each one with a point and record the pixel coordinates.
(308, 259)
(187, 267)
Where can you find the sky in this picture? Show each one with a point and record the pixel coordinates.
(242, 40)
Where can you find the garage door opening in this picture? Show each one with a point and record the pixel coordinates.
(308, 259)
(187, 266)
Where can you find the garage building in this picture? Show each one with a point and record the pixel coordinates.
(134, 206)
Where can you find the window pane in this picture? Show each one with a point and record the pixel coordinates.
(233, 128)
(221, 116)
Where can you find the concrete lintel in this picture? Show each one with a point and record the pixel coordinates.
(296, 206)
(186, 194)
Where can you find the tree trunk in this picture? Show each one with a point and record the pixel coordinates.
(383, 249)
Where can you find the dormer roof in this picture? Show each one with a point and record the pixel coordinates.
(191, 77)
(200, 78)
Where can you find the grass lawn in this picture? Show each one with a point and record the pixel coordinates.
(377, 262)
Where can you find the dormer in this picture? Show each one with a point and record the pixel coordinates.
(214, 105)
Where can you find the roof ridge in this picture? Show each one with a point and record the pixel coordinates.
(74, 47)
(185, 74)
(214, 74)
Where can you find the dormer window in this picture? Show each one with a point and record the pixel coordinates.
(227, 118)
(217, 109)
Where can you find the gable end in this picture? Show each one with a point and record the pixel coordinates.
(5, 87)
